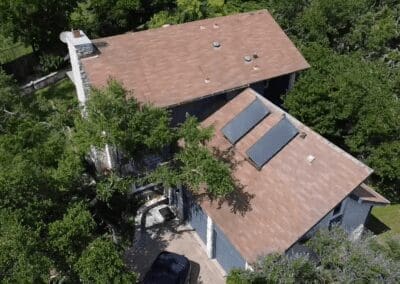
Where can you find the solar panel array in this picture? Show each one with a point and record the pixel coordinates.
(245, 121)
(271, 142)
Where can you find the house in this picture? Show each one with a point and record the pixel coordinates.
(230, 72)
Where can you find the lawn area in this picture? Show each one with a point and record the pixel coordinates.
(61, 95)
(63, 88)
(10, 50)
(386, 220)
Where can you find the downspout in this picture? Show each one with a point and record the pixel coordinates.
(210, 237)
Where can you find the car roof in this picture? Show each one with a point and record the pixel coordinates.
(168, 268)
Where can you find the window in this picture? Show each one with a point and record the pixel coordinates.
(337, 215)
(337, 209)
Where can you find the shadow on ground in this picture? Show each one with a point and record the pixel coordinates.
(152, 241)
(149, 243)
(194, 273)
(376, 226)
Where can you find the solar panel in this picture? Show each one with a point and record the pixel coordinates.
(272, 142)
(245, 121)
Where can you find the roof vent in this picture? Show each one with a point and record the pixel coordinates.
(303, 135)
(166, 25)
(255, 55)
(310, 159)
(202, 27)
(216, 26)
(247, 58)
(256, 67)
(216, 44)
(207, 80)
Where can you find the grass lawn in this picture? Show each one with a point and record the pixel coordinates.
(10, 50)
(63, 88)
(61, 95)
(386, 220)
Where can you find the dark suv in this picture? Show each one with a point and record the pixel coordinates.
(169, 268)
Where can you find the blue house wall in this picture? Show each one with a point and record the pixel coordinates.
(225, 253)
(198, 221)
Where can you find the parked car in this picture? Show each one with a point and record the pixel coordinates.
(169, 268)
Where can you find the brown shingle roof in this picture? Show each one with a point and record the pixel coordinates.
(169, 66)
(290, 193)
(367, 194)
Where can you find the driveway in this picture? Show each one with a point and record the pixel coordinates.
(175, 238)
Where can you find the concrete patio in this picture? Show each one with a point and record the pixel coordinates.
(174, 238)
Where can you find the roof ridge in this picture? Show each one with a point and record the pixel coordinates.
(260, 11)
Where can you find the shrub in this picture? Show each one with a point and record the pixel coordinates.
(50, 63)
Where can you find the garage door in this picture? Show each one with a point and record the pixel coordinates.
(225, 253)
(198, 221)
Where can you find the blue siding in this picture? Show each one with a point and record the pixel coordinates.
(225, 253)
(198, 220)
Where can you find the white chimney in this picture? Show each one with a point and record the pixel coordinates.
(79, 46)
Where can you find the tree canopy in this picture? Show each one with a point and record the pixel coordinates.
(63, 219)
(342, 261)
(353, 103)
(37, 23)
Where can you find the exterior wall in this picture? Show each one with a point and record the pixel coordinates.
(200, 109)
(271, 89)
(324, 223)
(355, 214)
(217, 245)
(198, 221)
(225, 253)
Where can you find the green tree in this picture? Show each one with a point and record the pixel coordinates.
(132, 128)
(342, 261)
(327, 21)
(188, 10)
(71, 234)
(23, 256)
(194, 166)
(139, 130)
(353, 103)
(369, 27)
(104, 18)
(10, 102)
(102, 262)
(36, 23)
(49, 213)
(69, 211)
(100, 18)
